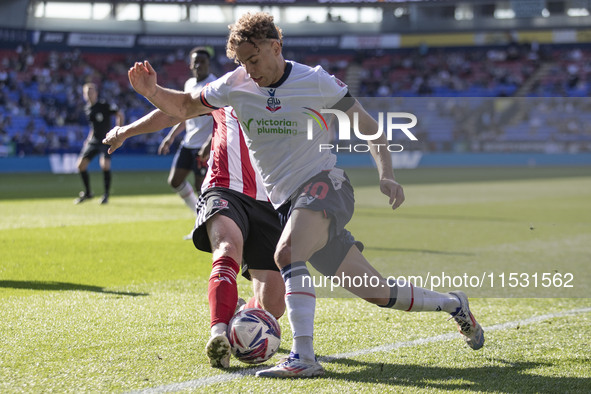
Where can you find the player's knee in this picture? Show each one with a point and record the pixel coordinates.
(174, 183)
(225, 248)
(282, 255)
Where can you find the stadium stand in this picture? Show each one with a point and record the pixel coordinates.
(41, 108)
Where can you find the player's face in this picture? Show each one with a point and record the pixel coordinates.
(262, 61)
(200, 65)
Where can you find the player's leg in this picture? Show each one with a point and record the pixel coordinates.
(408, 297)
(312, 223)
(84, 159)
(226, 243)
(396, 294)
(177, 179)
(105, 163)
(259, 266)
(82, 164)
(182, 165)
(354, 265)
(200, 170)
(269, 292)
(220, 228)
(306, 232)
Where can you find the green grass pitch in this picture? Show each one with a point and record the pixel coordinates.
(111, 299)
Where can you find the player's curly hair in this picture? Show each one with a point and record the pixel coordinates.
(251, 26)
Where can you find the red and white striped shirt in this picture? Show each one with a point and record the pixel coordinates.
(229, 161)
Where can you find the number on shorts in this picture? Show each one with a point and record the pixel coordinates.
(317, 190)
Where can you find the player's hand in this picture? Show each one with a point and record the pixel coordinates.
(392, 189)
(114, 138)
(143, 79)
(164, 147)
(204, 153)
(205, 156)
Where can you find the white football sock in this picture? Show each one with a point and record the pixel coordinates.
(218, 329)
(304, 347)
(300, 301)
(417, 299)
(186, 192)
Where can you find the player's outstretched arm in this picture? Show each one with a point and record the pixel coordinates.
(119, 118)
(167, 141)
(179, 104)
(388, 184)
(150, 123)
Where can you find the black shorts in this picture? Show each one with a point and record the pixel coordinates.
(257, 220)
(329, 192)
(188, 159)
(93, 148)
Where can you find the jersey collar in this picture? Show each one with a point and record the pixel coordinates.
(286, 72)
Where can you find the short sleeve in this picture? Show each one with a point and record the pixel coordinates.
(216, 93)
(189, 83)
(332, 88)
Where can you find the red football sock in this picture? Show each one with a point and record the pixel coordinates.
(252, 303)
(222, 291)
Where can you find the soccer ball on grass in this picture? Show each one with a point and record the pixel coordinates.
(254, 335)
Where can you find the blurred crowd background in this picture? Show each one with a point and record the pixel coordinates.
(510, 97)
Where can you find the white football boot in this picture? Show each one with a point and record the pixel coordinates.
(218, 351)
(467, 324)
(293, 367)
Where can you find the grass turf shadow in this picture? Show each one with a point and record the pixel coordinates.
(509, 377)
(62, 286)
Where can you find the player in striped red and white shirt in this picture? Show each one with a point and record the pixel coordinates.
(237, 224)
(230, 165)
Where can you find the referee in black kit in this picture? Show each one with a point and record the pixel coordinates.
(99, 114)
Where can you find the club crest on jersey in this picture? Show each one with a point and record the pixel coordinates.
(220, 203)
(273, 103)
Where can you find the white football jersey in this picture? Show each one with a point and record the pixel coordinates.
(198, 129)
(275, 122)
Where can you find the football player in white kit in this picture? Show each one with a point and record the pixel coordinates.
(271, 97)
(192, 152)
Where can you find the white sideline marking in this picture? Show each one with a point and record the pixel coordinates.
(192, 384)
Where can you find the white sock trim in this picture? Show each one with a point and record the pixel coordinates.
(218, 329)
(186, 192)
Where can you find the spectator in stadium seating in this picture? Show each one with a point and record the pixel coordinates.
(99, 114)
(194, 149)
